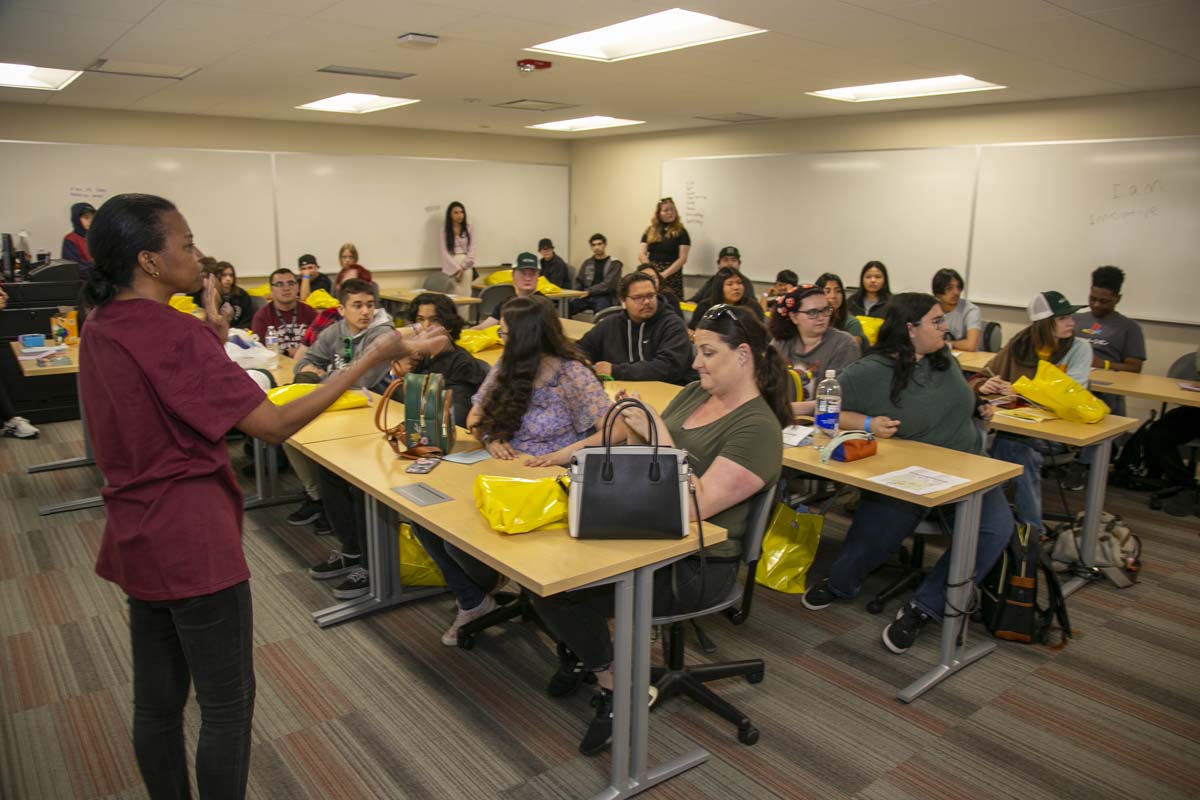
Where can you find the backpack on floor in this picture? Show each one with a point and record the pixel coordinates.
(1009, 594)
(1118, 551)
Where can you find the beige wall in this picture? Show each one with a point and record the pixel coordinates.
(615, 180)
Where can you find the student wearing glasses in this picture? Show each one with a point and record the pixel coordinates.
(645, 343)
(284, 312)
(729, 422)
(665, 244)
(801, 331)
(909, 387)
(666, 298)
(842, 319)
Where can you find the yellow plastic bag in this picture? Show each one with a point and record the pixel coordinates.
(498, 277)
(546, 287)
(416, 567)
(520, 505)
(262, 290)
(788, 550)
(282, 395)
(475, 341)
(871, 326)
(1055, 390)
(182, 302)
(321, 299)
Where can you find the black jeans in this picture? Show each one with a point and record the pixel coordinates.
(7, 410)
(346, 510)
(206, 640)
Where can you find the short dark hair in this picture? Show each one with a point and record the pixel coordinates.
(630, 280)
(447, 312)
(596, 236)
(942, 278)
(280, 271)
(125, 225)
(787, 276)
(354, 286)
(1108, 277)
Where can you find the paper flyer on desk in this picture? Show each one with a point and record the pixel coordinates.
(919, 480)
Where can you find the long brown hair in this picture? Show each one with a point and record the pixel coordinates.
(657, 230)
(1041, 334)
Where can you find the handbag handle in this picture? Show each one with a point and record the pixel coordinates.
(381, 409)
(845, 436)
(610, 420)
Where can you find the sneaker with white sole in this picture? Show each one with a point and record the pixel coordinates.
(357, 584)
(900, 635)
(19, 428)
(819, 596)
(450, 637)
(308, 512)
(335, 566)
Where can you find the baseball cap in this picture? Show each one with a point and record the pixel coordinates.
(307, 258)
(526, 261)
(544, 244)
(729, 250)
(1050, 304)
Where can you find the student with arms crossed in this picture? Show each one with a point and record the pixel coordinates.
(644, 343)
(457, 245)
(158, 408)
(553, 267)
(284, 312)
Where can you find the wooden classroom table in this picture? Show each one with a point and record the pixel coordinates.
(30, 369)
(972, 362)
(562, 296)
(545, 562)
(406, 296)
(573, 329)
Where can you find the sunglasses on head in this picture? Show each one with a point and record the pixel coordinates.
(725, 310)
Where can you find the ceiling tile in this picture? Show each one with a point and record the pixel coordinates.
(1172, 25)
(108, 91)
(56, 40)
(120, 10)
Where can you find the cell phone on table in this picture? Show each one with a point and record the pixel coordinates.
(422, 466)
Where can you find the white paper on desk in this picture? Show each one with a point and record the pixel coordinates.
(794, 435)
(1190, 387)
(467, 457)
(919, 480)
(34, 353)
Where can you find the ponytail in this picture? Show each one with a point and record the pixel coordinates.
(771, 375)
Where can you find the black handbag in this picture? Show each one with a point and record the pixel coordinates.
(629, 491)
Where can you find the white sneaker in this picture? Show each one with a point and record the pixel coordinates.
(20, 428)
(450, 637)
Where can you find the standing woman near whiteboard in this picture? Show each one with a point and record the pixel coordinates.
(665, 244)
(458, 248)
(874, 290)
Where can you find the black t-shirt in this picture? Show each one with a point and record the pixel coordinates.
(666, 250)
(598, 270)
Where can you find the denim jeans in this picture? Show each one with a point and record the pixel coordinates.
(881, 524)
(468, 578)
(346, 510)
(206, 640)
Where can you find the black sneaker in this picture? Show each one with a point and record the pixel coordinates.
(357, 584)
(1076, 478)
(335, 566)
(570, 674)
(599, 732)
(900, 635)
(322, 526)
(308, 513)
(819, 596)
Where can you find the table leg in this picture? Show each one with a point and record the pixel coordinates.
(564, 307)
(383, 559)
(266, 481)
(1093, 507)
(86, 460)
(955, 654)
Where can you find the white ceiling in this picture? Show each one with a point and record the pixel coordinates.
(258, 58)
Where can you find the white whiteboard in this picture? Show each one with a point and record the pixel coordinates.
(393, 208)
(1047, 215)
(226, 196)
(829, 212)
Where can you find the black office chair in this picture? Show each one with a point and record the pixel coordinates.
(1183, 368)
(438, 282)
(674, 678)
(492, 297)
(990, 339)
(605, 313)
(913, 566)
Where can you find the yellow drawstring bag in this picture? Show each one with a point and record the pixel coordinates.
(182, 302)
(520, 505)
(262, 290)
(1055, 390)
(416, 567)
(788, 549)
(546, 287)
(282, 395)
(476, 341)
(871, 326)
(321, 300)
(498, 277)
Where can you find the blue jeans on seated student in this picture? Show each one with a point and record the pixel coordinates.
(593, 303)
(206, 640)
(881, 524)
(1027, 487)
(468, 578)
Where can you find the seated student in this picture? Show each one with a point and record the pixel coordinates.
(1117, 341)
(874, 290)
(284, 312)
(74, 244)
(645, 343)
(538, 399)
(12, 425)
(802, 334)
(311, 278)
(1050, 336)
(963, 323)
(727, 257)
(785, 281)
(666, 298)
(842, 320)
(337, 347)
(1164, 440)
(731, 288)
(525, 274)
(553, 267)
(910, 387)
(343, 503)
(235, 296)
(729, 422)
(331, 315)
(598, 276)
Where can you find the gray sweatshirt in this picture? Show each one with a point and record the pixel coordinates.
(330, 350)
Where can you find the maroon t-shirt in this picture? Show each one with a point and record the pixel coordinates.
(160, 394)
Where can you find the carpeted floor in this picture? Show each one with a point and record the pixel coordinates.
(378, 708)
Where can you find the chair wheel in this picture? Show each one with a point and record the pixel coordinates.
(874, 607)
(748, 735)
(466, 641)
(755, 677)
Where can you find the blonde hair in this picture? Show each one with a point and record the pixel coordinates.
(657, 230)
(353, 251)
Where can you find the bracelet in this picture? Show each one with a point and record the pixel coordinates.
(867, 423)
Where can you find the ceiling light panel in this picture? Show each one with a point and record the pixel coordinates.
(673, 29)
(363, 72)
(27, 76)
(924, 87)
(586, 124)
(353, 103)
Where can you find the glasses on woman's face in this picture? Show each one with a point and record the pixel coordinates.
(816, 313)
(937, 322)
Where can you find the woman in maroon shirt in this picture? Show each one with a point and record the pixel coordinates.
(160, 394)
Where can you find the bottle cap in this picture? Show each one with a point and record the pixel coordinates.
(829, 373)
